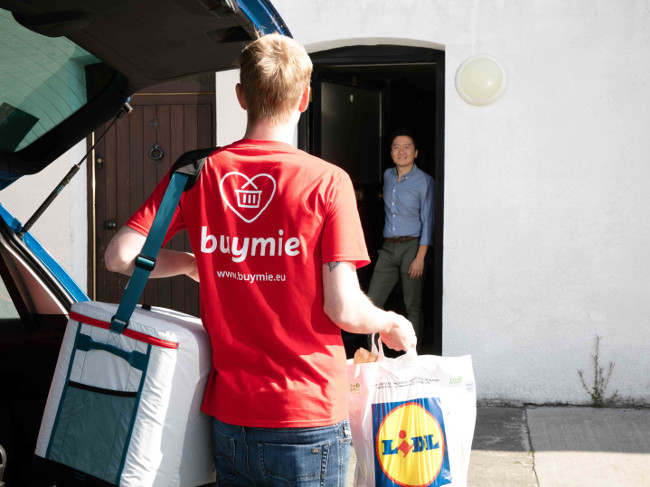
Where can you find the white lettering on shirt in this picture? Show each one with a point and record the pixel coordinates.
(208, 242)
(238, 247)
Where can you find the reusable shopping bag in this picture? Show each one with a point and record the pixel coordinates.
(412, 419)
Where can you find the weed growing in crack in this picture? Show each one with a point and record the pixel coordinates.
(601, 379)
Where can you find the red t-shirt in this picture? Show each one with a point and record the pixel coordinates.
(262, 219)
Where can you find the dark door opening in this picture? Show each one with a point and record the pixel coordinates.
(360, 94)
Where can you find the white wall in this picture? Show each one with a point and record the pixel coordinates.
(231, 118)
(63, 227)
(546, 237)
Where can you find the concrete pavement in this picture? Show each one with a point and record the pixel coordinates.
(501, 453)
(558, 447)
(561, 447)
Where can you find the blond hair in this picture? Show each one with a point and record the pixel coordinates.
(275, 70)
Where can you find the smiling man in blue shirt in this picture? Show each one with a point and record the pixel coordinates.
(408, 229)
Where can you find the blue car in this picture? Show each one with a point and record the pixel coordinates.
(69, 69)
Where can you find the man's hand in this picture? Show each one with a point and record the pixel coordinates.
(416, 269)
(401, 336)
(349, 308)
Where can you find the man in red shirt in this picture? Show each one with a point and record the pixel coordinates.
(277, 240)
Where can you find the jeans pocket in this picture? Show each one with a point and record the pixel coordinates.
(346, 432)
(294, 464)
(224, 455)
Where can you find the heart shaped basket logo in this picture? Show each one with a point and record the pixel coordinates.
(247, 197)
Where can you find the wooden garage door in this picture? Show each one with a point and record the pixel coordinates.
(134, 155)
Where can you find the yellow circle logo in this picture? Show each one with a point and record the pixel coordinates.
(410, 446)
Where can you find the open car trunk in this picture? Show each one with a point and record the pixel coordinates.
(66, 68)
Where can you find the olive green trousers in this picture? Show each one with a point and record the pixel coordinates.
(392, 264)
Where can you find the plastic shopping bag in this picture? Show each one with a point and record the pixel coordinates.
(412, 419)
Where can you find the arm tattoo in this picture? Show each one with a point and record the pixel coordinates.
(332, 265)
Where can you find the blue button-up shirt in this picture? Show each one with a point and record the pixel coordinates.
(409, 205)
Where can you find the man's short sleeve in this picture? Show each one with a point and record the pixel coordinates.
(343, 239)
(142, 219)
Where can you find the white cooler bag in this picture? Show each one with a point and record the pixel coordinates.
(124, 404)
(125, 408)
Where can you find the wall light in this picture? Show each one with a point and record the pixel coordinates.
(481, 80)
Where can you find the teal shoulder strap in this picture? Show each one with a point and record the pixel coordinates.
(185, 173)
(146, 261)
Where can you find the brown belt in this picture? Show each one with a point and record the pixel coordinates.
(400, 239)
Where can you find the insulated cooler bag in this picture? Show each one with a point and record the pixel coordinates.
(124, 404)
(125, 408)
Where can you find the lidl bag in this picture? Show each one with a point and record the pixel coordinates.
(412, 419)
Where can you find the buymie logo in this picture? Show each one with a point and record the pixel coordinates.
(410, 444)
(247, 197)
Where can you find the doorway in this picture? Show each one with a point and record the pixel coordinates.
(360, 95)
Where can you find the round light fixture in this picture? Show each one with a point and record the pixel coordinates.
(481, 80)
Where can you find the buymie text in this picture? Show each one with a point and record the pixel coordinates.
(240, 248)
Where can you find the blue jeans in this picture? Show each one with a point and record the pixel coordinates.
(246, 456)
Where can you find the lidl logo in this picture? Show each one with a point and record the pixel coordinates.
(410, 444)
